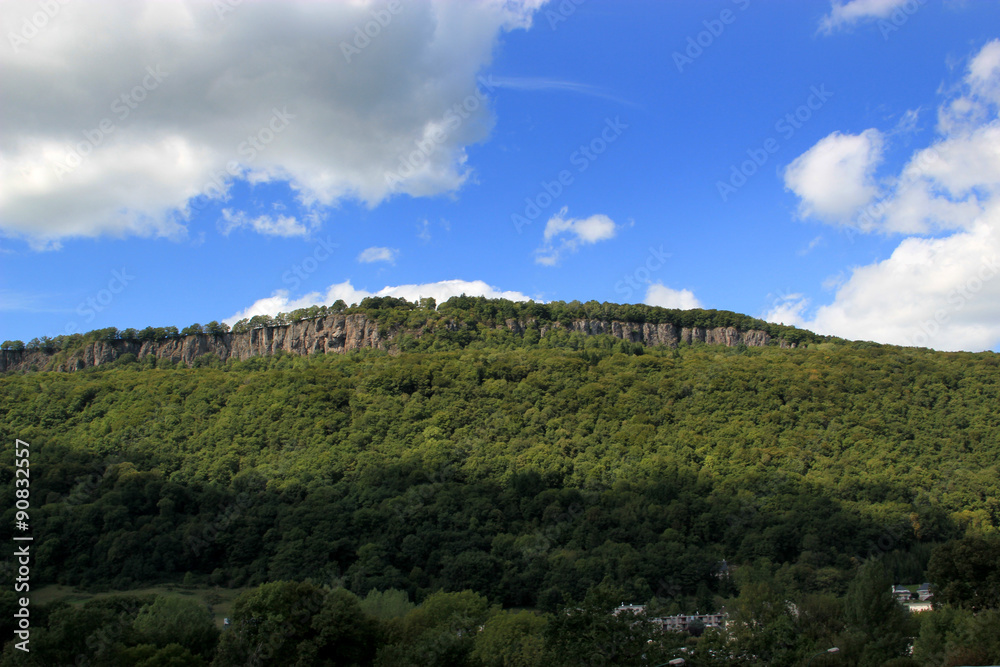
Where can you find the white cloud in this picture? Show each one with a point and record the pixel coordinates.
(659, 294)
(283, 225)
(788, 309)
(843, 14)
(834, 178)
(939, 292)
(907, 123)
(967, 113)
(945, 186)
(440, 291)
(374, 254)
(566, 235)
(984, 72)
(264, 93)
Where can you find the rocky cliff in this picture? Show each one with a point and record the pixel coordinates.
(342, 333)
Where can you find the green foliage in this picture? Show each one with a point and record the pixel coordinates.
(966, 573)
(148, 655)
(527, 469)
(881, 628)
(95, 631)
(592, 634)
(525, 474)
(273, 624)
(386, 605)
(441, 631)
(511, 639)
(764, 625)
(951, 636)
(174, 619)
(457, 323)
(345, 634)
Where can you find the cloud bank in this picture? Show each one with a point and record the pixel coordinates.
(939, 288)
(127, 136)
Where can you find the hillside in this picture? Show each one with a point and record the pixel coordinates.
(531, 469)
(397, 325)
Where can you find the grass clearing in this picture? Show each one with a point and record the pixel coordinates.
(219, 599)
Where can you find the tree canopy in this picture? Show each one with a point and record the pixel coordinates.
(450, 488)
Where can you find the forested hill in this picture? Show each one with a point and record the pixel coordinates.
(810, 457)
(397, 325)
(533, 470)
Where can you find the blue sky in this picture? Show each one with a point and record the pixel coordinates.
(830, 165)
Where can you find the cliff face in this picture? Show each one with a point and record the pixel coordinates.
(342, 333)
(669, 335)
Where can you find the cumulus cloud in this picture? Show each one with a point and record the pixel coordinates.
(844, 14)
(659, 294)
(940, 293)
(282, 302)
(984, 72)
(374, 254)
(788, 309)
(565, 235)
(967, 113)
(282, 225)
(834, 178)
(119, 137)
(940, 287)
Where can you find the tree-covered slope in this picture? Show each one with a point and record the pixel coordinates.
(529, 473)
(393, 324)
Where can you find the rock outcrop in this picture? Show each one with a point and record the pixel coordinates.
(669, 335)
(342, 333)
